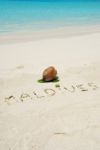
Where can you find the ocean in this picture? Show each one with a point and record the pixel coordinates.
(35, 15)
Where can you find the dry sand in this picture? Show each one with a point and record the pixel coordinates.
(50, 116)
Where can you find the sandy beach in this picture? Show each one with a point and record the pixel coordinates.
(50, 116)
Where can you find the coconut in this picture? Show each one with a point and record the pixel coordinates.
(49, 74)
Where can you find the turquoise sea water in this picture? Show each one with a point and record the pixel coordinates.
(28, 15)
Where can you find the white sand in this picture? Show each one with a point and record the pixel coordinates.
(50, 116)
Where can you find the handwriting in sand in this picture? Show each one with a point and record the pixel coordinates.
(49, 92)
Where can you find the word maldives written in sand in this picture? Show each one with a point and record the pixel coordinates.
(49, 92)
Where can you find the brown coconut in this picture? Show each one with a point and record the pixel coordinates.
(49, 74)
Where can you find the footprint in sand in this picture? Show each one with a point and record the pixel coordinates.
(20, 67)
(57, 141)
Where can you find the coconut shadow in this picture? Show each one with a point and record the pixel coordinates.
(52, 81)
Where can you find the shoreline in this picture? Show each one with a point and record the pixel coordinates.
(63, 32)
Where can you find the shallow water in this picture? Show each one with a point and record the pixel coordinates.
(28, 15)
